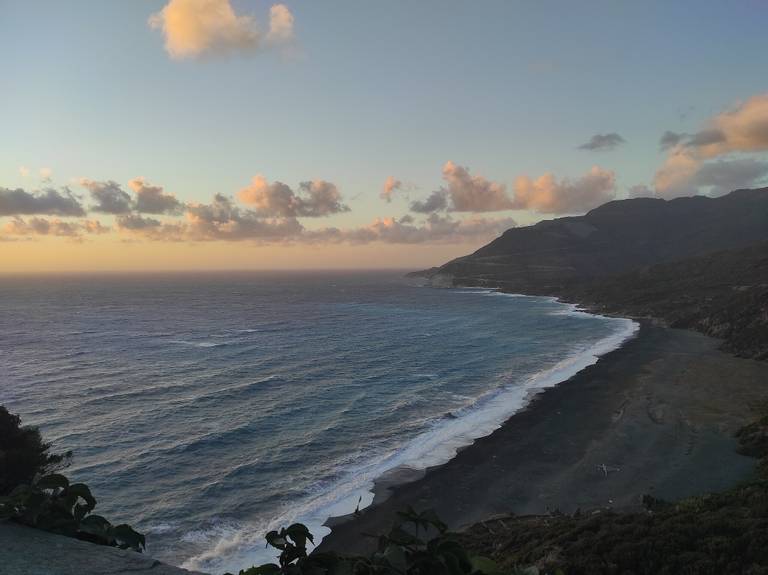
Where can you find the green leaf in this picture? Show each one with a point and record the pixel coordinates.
(299, 534)
(276, 540)
(82, 491)
(127, 538)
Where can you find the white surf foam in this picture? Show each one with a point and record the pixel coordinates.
(236, 547)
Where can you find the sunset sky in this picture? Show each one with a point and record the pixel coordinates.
(242, 134)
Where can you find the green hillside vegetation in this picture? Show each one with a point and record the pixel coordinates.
(715, 534)
(722, 294)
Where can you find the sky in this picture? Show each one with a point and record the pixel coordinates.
(243, 134)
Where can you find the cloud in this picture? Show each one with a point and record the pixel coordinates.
(193, 28)
(45, 174)
(437, 201)
(280, 26)
(24, 171)
(94, 227)
(743, 129)
(723, 176)
(435, 229)
(548, 195)
(135, 222)
(46, 202)
(467, 193)
(391, 184)
(152, 200)
(223, 220)
(671, 139)
(110, 198)
(603, 142)
(55, 227)
(313, 199)
(219, 220)
(473, 193)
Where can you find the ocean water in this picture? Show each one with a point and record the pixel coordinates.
(208, 409)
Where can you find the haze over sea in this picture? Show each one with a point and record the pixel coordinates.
(206, 409)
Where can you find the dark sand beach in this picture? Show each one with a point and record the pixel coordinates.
(659, 413)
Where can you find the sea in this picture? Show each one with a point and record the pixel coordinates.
(207, 409)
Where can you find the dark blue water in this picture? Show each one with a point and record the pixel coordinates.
(207, 409)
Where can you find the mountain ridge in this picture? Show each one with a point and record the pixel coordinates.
(696, 262)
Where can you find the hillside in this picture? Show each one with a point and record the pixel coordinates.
(723, 294)
(699, 263)
(617, 237)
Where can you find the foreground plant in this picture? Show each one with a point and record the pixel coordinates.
(31, 495)
(54, 504)
(401, 552)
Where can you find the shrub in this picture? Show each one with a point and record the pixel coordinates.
(31, 495)
(401, 552)
(23, 454)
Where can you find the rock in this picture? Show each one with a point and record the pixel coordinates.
(27, 551)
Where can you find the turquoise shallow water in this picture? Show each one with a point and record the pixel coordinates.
(207, 409)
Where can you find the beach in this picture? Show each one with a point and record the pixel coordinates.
(656, 416)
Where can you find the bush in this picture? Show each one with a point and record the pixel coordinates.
(401, 552)
(32, 496)
(23, 454)
(54, 504)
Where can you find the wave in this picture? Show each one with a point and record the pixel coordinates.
(200, 343)
(236, 545)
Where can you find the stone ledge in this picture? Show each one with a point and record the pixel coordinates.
(26, 551)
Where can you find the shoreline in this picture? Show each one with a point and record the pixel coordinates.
(652, 410)
(441, 442)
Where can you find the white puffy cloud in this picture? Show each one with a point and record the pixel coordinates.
(404, 230)
(391, 184)
(465, 192)
(547, 195)
(470, 193)
(152, 199)
(280, 26)
(219, 220)
(313, 199)
(193, 28)
(743, 129)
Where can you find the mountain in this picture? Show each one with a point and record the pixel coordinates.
(699, 263)
(722, 294)
(619, 236)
